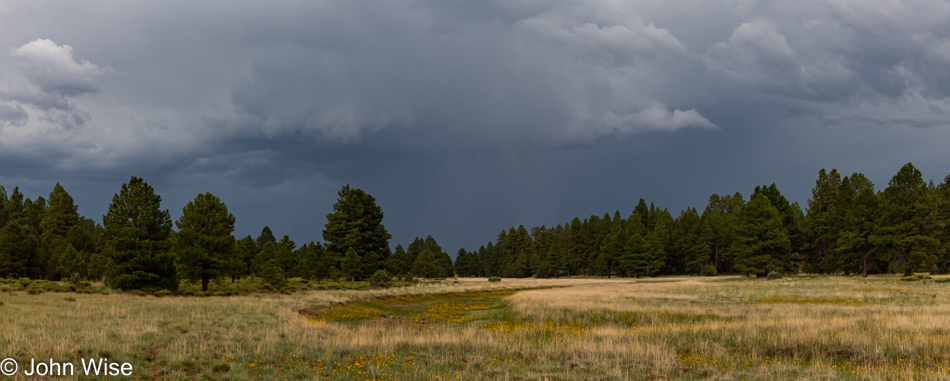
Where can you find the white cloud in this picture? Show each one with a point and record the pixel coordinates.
(53, 69)
(53, 79)
(655, 117)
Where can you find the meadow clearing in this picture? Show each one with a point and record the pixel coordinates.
(725, 328)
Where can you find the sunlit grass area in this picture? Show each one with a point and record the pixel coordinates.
(559, 329)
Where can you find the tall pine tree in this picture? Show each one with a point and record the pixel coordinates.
(137, 233)
(204, 243)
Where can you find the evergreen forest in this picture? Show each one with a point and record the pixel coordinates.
(848, 227)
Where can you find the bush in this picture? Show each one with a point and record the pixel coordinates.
(773, 275)
(494, 279)
(75, 279)
(34, 289)
(408, 278)
(161, 293)
(69, 299)
(381, 279)
(138, 293)
(1, 303)
(708, 270)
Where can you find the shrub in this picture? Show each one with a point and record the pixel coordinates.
(381, 279)
(69, 299)
(773, 275)
(1, 303)
(161, 293)
(34, 289)
(188, 293)
(74, 279)
(494, 279)
(138, 293)
(708, 270)
(408, 278)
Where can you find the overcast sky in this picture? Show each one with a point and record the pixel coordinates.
(466, 117)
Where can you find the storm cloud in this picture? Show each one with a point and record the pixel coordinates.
(464, 118)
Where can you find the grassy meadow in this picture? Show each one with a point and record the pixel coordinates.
(721, 328)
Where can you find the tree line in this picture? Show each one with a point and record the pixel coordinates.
(136, 248)
(848, 228)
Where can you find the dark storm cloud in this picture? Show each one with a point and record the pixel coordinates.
(541, 80)
(465, 117)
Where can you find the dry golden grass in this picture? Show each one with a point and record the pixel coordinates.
(668, 328)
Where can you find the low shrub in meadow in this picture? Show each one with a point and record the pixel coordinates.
(381, 279)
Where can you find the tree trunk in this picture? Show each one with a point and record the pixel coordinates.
(204, 283)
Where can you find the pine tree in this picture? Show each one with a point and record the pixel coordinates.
(400, 263)
(857, 220)
(137, 241)
(689, 241)
(661, 238)
(313, 259)
(204, 242)
(61, 214)
(461, 264)
(243, 260)
(357, 223)
(268, 254)
(820, 223)
(285, 256)
(425, 266)
(716, 231)
(790, 214)
(266, 236)
(19, 251)
(351, 264)
(611, 251)
(909, 225)
(599, 266)
(761, 244)
(640, 217)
